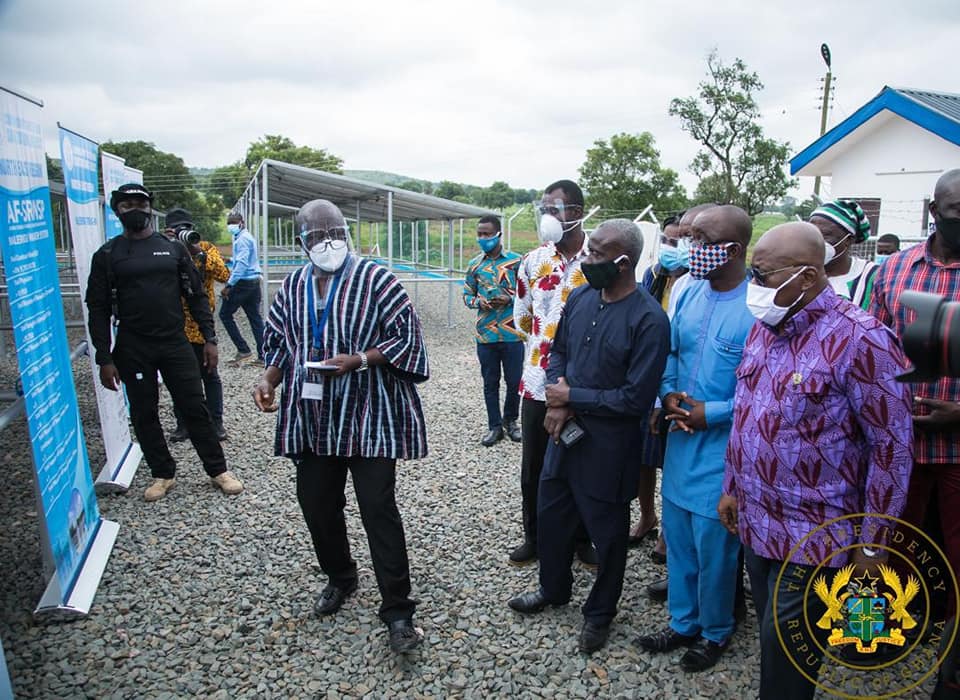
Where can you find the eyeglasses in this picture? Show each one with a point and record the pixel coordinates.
(556, 209)
(327, 236)
(761, 277)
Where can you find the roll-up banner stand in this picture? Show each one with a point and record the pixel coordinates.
(75, 540)
(78, 155)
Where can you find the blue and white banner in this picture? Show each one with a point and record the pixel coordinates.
(114, 175)
(81, 178)
(64, 482)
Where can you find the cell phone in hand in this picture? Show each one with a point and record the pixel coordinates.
(321, 366)
(572, 433)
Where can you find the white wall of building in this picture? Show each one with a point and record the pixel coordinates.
(898, 162)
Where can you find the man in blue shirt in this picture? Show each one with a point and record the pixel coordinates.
(708, 331)
(605, 364)
(243, 290)
(490, 286)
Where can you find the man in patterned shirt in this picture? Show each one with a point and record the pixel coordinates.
(545, 278)
(209, 263)
(821, 429)
(344, 340)
(932, 267)
(489, 286)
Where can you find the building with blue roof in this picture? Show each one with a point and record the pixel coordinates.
(888, 155)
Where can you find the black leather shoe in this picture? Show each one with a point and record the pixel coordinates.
(492, 437)
(666, 639)
(593, 637)
(587, 554)
(331, 599)
(524, 554)
(179, 434)
(513, 431)
(702, 654)
(531, 603)
(658, 590)
(403, 636)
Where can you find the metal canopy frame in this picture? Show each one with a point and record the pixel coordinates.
(292, 185)
(277, 190)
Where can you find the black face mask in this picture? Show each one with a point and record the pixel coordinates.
(602, 274)
(948, 228)
(135, 220)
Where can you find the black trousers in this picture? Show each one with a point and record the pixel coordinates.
(563, 507)
(212, 388)
(534, 447)
(779, 677)
(320, 483)
(138, 359)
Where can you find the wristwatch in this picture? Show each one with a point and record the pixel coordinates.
(364, 364)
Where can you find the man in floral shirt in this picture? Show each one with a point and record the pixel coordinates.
(545, 278)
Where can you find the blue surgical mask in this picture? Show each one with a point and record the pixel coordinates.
(234, 229)
(675, 258)
(880, 257)
(488, 244)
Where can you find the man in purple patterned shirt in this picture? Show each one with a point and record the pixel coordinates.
(821, 429)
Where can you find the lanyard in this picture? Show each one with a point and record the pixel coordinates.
(318, 325)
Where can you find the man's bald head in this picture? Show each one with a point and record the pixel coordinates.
(793, 243)
(625, 237)
(319, 214)
(948, 185)
(690, 214)
(727, 222)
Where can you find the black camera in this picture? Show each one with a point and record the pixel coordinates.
(932, 341)
(188, 236)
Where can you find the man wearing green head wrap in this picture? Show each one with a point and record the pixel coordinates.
(843, 224)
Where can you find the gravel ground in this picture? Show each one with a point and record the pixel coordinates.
(210, 595)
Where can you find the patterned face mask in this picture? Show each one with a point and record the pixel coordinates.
(707, 257)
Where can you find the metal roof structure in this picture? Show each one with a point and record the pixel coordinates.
(289, 186)
(937, 112)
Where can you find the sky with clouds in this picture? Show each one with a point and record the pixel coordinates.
(471, 92)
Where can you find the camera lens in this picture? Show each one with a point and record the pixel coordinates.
(189, 236)
(932, 341)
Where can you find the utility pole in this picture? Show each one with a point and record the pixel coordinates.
(825, 107)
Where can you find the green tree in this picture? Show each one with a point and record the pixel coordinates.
(624, 174)
(170, 182)
(283, 149)
(228, 182)
(499, 195)
(448, 190)
(805, 208)
(724, 118)
(54, 171)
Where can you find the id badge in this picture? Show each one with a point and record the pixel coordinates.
(312, 391)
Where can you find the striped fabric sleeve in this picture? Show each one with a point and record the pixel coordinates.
(275, 350)
(401, 337)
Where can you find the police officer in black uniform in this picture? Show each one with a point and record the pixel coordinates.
(139, 278)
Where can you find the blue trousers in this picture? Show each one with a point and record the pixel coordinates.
(246, 295)
(703, 565)
(492, 357)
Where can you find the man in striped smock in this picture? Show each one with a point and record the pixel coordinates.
(344, 340)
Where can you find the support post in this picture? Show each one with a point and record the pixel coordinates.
(389, 230)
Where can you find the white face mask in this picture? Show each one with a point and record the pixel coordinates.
(551, 229)
(831, 250)
(760, 301)
(329, 256)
